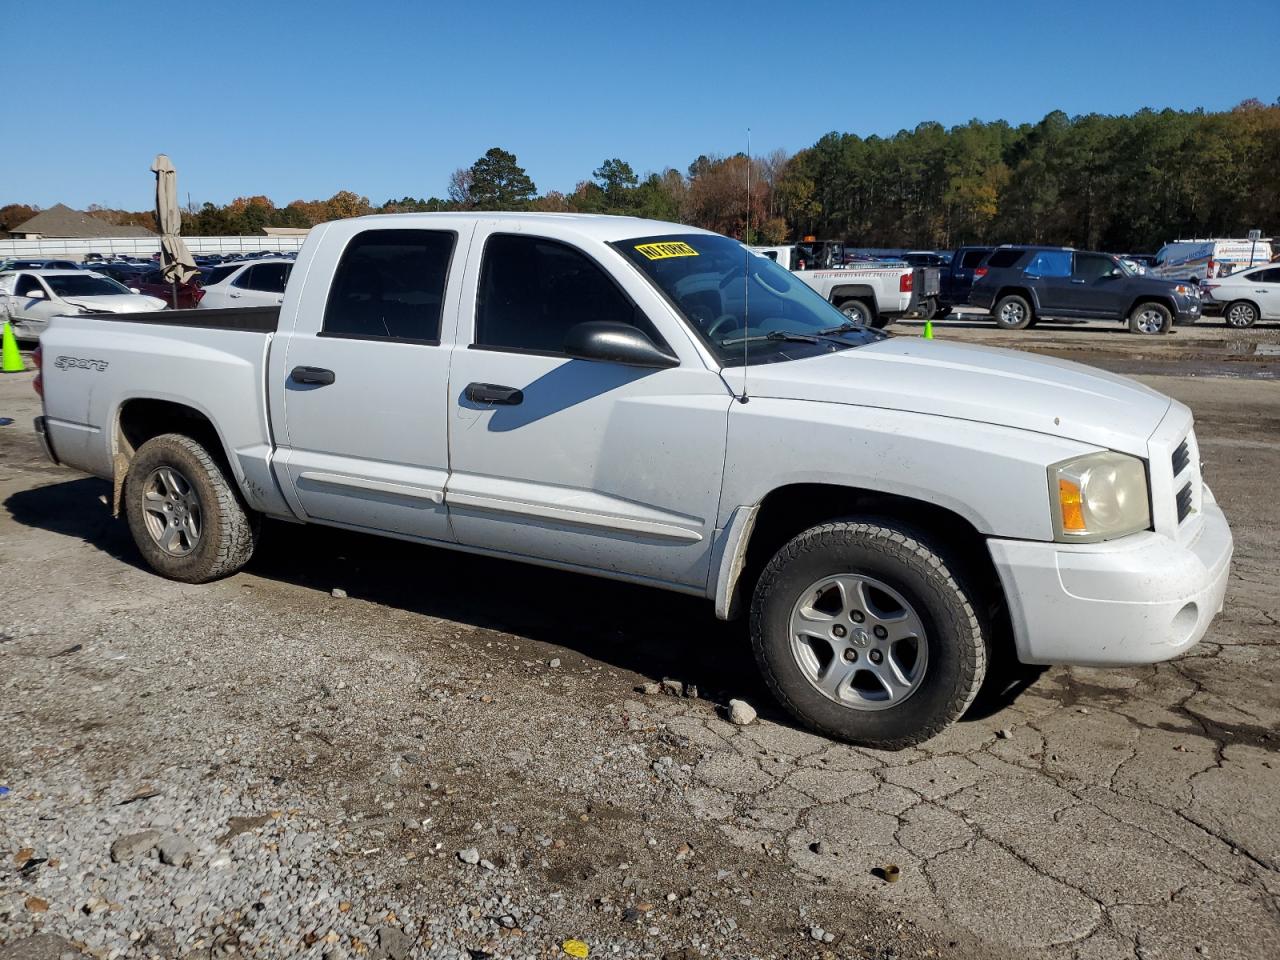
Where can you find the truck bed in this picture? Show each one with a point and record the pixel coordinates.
(253, 319)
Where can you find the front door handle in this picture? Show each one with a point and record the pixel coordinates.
(493, 393)
(316, 375)
(1077, 281)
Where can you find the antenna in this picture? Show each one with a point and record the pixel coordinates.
(746, 277)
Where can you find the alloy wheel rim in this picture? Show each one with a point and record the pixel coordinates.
(1011, 313)
(1149, 321)
(172, 511)
(859, 642)
(1240, 316)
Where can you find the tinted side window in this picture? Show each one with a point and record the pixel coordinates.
(1004, 258)
(27, 285)
(218, 274)
(533, 291)
(1266, 276)
(1092, 266)
(1050, 263)
(267, 277)
(390, 285)
(972, 258)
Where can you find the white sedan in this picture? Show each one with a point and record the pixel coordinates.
(28, 298)
(1247, 296)
(253, 283)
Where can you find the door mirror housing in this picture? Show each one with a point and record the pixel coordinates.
(615, 343)
(134, 290)
(36, 294)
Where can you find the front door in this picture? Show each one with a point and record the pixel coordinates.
(364, 397)
(1096, 289)
(584, 463)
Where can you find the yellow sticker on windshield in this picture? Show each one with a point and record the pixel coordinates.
(665, 251)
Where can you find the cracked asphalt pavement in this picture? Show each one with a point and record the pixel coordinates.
(1091, 815)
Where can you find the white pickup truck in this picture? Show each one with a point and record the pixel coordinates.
(873, 293)
(649, 402)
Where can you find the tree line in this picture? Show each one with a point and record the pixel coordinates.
(1120, 183)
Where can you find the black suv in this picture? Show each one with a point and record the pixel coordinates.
(1020, 285)
(957, 277)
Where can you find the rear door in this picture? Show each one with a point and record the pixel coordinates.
(366, 371)
(957, 281)
(262, 285)
(586, 463)
(1049, 274)
(1264, 287)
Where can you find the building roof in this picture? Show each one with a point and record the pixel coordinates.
(61, 222)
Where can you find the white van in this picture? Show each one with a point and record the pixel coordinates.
(1207, 259)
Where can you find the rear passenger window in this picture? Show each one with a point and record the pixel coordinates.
(1004, 258)
(267, 277)
(972, 258)
(390, 286)
(1050, 263)
(533, 291)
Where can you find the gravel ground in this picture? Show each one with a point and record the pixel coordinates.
(456, 757)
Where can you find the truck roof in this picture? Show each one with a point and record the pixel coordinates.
(598, 226)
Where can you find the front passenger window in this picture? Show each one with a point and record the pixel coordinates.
(27, 285)
(534, 290)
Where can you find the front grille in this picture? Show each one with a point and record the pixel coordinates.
(1184, 501)
(1181, 457)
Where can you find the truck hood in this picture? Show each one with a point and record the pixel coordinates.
(117, 303)
(982, 384)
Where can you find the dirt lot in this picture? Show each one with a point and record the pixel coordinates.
(452, 759)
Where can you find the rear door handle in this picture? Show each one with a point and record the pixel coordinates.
(1077, 281)
(493, 393)
(316, 375)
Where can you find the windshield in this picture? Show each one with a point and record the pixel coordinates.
(68, 285)
(742, 305)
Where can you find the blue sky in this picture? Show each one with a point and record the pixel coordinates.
(299, 100)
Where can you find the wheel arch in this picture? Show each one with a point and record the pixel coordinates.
(853, 291)
(139, 419)
(1166, 302)
(789, 510)
(1026, 293)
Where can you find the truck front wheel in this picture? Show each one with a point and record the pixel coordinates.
(186, 518)
(863, 633)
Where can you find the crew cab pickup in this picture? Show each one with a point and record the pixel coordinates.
(871, 292)
(648, 402)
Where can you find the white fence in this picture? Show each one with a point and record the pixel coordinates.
(142, 246)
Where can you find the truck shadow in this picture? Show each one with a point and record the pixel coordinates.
(653, 633)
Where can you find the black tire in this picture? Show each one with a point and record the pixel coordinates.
(1150, 319)
(904, 561)
(227, 531)
(928, 309)
(944, 310)
(859, 312)
(1240, 314)
(1012, 312)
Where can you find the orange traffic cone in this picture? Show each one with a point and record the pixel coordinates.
(10, 358)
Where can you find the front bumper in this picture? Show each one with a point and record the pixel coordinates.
(1140, 599)
(1189, 309)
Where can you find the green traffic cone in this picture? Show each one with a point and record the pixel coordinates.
(928, 329)
(10, 358)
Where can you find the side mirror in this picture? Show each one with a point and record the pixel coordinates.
(36, 294)
(615, 343)
(134, 290)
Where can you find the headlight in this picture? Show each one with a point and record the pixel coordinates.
(1187, 291)
(1099, 496)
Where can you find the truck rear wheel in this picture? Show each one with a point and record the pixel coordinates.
(863, 633)
(188, 521)
(1012, 312)
(858, 312)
